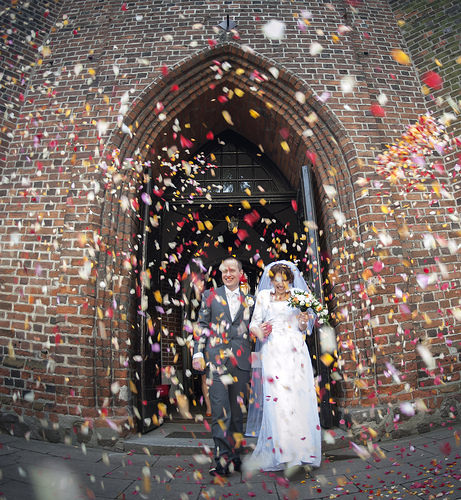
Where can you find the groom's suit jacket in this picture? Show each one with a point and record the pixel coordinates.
(221, 337)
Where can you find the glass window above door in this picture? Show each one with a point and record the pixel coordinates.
(241, 166)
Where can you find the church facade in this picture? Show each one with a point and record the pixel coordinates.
(142, 142)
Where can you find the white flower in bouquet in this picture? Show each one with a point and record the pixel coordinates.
(306, 300)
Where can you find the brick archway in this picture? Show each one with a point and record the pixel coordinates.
(290, 120)
(189, 95)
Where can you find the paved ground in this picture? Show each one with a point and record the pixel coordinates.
(426, 466)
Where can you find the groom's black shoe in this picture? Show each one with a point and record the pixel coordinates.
(220, 469)
(237, 464)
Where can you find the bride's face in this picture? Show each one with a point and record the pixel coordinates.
(279, 283)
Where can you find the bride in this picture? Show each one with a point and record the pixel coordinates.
(283, 410)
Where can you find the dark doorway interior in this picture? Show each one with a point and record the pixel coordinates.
(246, 194)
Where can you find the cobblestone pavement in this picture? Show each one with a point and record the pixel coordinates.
(424, 466)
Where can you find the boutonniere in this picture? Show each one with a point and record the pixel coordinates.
(249, 301)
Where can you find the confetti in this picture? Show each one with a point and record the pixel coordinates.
(400, 57)
(433, 80)
(274, 30)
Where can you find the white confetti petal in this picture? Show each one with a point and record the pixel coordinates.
(426, 356)
(300, 97)
(330, 191)
(315, 49)
(340, 217)
(274, 72)
(348, 84)
(274, 30)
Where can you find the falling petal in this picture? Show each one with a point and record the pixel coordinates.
(315, 49)
(274, 30)
(400, 57)
(227, 117)
(433, 80)
(330, 191)
(426, 356)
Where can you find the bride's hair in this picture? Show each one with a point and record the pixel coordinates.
(282, 269)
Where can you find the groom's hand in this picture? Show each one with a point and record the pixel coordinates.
(266, 328)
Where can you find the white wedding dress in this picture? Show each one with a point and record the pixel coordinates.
(290, 431)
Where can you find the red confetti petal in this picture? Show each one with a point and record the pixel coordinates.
(378, 266)
(210, 136)
(185, 143)
(312, 156)
(284, 133)
(174, 88)
(252, 218)
(242, 234)
(164, 70)
(212, 43)
(433, 80)
(294, 205)
(124, 7)
(377, 110)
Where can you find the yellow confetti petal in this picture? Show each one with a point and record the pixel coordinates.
(133, 387)
(326, 359)
(372, 432)
(245, 204)
(240, 71)
(285, 146)
(367, 274)
(208, 225)
(158, 296)
(239, 93)
(254, 114)
(400, 57)
(227, 117)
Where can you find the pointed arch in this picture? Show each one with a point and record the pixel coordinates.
(282, 115)
(189, 96)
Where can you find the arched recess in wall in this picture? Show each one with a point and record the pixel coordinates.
(189, 95)
(216, 89)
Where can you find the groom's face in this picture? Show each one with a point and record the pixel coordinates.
(231, 274)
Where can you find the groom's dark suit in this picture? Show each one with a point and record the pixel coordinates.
(226, 345)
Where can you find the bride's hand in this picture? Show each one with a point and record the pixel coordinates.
(303, 317)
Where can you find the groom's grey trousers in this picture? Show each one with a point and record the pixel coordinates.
(227, 402)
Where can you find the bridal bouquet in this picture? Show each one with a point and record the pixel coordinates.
(307, 300)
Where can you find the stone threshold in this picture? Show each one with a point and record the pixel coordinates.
(190, 438)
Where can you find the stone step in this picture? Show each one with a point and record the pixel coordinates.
(190, 437)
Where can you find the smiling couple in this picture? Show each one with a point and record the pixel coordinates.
(228, 329)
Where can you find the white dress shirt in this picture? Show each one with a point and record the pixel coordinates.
(233, 301)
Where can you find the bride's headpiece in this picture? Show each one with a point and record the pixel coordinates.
(265, 282)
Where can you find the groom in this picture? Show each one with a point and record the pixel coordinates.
(225, 348)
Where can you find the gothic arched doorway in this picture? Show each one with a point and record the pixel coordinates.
(242, 206)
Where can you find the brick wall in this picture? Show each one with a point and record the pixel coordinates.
(71, 234)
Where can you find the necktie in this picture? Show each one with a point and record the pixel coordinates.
(234, 303)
